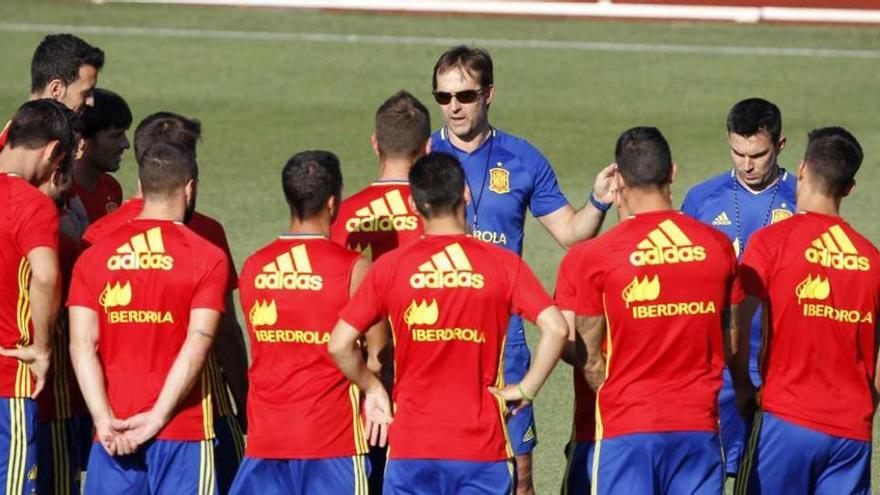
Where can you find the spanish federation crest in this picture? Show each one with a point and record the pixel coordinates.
(779, 215)
(499, 179)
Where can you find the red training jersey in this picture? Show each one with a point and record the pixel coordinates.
(28, 220)
(143, 280)
(377, 219)
(61, 397)
(292, 291)
(210, 230)
(662, 280)
(584, 429)
(449, 299)
(820, 281)
(104, 199)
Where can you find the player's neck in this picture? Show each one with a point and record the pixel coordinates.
(446, 225)
(640, 201)
(19, 162)
(818, 203)
(394, 168)
(472, 141)
(85, 175)
(316, 225)
(171, 208)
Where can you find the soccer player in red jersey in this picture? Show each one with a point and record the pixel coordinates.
(380, 218)
(579, 451)
(95, 192)
(227, 364)
(819, 282)
(657, 289)
(64, 68)
(40, 141)
(305, 431)
(145, 303)
(449, 298)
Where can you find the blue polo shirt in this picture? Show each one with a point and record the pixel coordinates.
(506, 175)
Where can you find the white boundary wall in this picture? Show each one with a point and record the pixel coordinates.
(602, 9)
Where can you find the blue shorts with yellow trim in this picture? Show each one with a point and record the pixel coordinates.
(445, 477)
(18, 446)
(161, 467)
(520, 428)
(336, 476)
(579, 456)
(787, 458)
(228, 451)
(659, 463)
(62, 454)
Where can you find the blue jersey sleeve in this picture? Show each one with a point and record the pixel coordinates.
(546, 197)
(690, 205)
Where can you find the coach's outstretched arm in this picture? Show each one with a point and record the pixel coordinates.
(554, 335)
(183, 373)
(592, 332)
(90, 376)
(569, 226)
(45, 298)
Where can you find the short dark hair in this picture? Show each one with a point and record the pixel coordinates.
(753, 116)
(643, 157)
(437, 183)
(309, 179)
(167, 127)
(476, 62)
(109, 112)
(834, 155)
(165, 168)
(39, 122)
(59, 56)
(403, 125)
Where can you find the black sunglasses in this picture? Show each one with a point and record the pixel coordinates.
(466, 96)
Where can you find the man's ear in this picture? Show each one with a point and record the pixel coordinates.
(780, 145)
(375, 143)
(140, 189)
(846, 192)
(802, 170)
(490, 94)
(674, 173)
(467, 194)
(189, 188)
(49, 152)
(56, 89)
(426, 148)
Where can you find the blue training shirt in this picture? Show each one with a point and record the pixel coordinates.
(714, 202)
(506, 175)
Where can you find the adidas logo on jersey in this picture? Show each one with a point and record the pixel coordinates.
(722, 219)
(813, 288)
(290, 271)
(145, 251)
(384, 214)
(666, 244)
(833, 249)
(448, 269)
(115, 295)
(641, 290)
(263, 313)
(421, 313)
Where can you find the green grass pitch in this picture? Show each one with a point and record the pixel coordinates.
(262, 100)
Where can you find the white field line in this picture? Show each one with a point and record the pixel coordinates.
(598, 9)
(589, 46)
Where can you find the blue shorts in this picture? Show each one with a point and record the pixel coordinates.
(579, 464)
(443, 477)
(161, 467)
(18, 446)
(786, 458)
(336, 476)
(659, 463)
(734, 428)
(62, 454)
(520, 428)
(228, 450)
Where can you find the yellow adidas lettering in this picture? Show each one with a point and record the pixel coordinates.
(382, 224)
(674, 254)
(140, 261)
(839, 261)
(447, 280)
(289, 281)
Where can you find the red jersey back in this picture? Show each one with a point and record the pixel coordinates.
(584, 397)
(821, 281)
(300, 406)
(377, 219)
(104, 199)
(143, 280)
(662, 281)
(28, 220)
(449, 299)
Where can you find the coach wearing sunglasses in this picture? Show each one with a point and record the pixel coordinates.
(506, 175)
